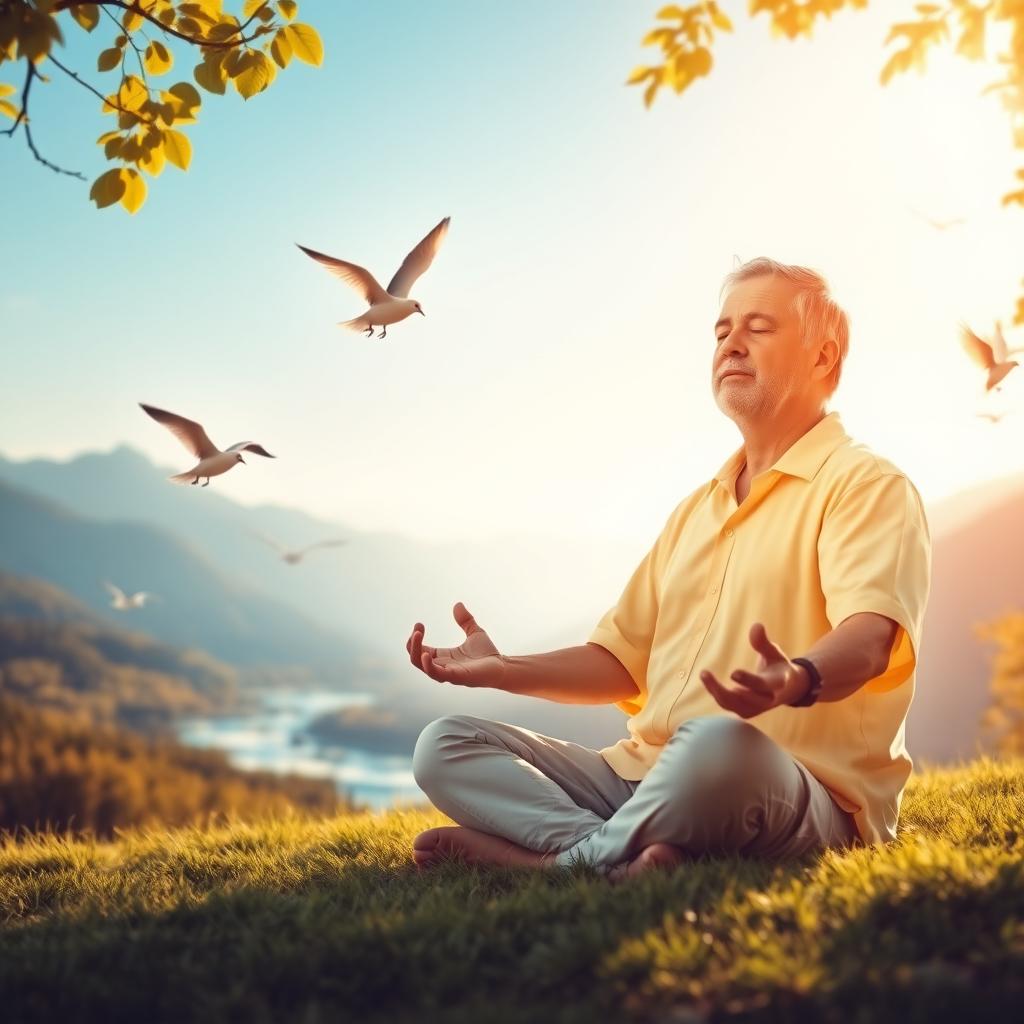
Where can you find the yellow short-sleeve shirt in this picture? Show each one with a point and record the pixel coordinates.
(830, 530)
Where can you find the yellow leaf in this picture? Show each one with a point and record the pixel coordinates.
(158, 58)
(106, 137)
(719, 18)
(107, 188)
(178, 148)
(126, 120)
(188, 96)
(9, 109)
(280, 49)
(288, 8)
(250, 7)
(5, 89)
(638, 74)
(209, 78)
(256, 75)
(133, 93)
(108, 59)
(131, 21)
(134, 189)
(153, 160)
(112, 147)
(87, 15)
(672, 11)
(305, 43)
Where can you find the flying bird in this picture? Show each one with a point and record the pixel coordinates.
(993, 357)
(124, 602)
(389, 305)
(295, 555)
(212, 461)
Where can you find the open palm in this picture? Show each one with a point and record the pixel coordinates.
(475, 662)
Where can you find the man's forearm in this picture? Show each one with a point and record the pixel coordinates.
(587, 674)
(854, 652)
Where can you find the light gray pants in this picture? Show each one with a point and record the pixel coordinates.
(719, 786)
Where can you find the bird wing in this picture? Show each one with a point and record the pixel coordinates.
(980, 351)
(323, 544)
(269, 541)
(188, 432)
(999, 351)
(418, 261)
(250, 446)
(115, 592)
(352, 274)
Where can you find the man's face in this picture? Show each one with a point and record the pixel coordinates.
(758, 335)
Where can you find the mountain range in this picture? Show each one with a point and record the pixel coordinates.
(347, 611)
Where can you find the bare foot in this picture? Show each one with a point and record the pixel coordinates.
(657, 855)
(472, 847)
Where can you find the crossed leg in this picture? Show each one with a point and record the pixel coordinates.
(524, 799)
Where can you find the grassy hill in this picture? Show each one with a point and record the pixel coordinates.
(299, 919)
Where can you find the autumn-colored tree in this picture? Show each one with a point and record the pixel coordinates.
(1003, 721)
(686, 37)
(245, 50)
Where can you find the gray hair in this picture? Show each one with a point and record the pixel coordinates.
(821, 317)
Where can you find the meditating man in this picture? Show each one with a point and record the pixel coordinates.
(764, 649)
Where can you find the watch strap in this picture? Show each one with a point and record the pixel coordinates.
(814, 689)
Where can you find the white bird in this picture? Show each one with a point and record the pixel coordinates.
(295, 555)
(212, 461)
(124, 602)
(993, 357)
(391, 305)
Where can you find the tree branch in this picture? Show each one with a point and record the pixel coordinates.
(96, 92)
(23, 120)
(213, 44)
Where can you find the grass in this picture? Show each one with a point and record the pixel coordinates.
(326, 920)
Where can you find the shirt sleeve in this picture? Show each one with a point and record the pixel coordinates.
(626, 630)
(874, 555)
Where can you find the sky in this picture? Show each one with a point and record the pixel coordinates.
(560, 381)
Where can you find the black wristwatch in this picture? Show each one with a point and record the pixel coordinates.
(813, 690)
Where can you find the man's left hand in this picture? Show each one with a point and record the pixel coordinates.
(776, 681)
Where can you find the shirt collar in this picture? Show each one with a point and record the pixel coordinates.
(803, 458)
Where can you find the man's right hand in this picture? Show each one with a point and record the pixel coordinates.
(475, 662)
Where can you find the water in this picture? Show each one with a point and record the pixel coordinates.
(272, 738)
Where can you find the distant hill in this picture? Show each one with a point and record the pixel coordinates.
(977, 575)
(199, 606)
(23, 597)
(57, 653)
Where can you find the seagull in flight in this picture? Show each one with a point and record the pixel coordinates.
(389, 305)
(124, 602)
(295, 555)
(993, 357)
(212, 461)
